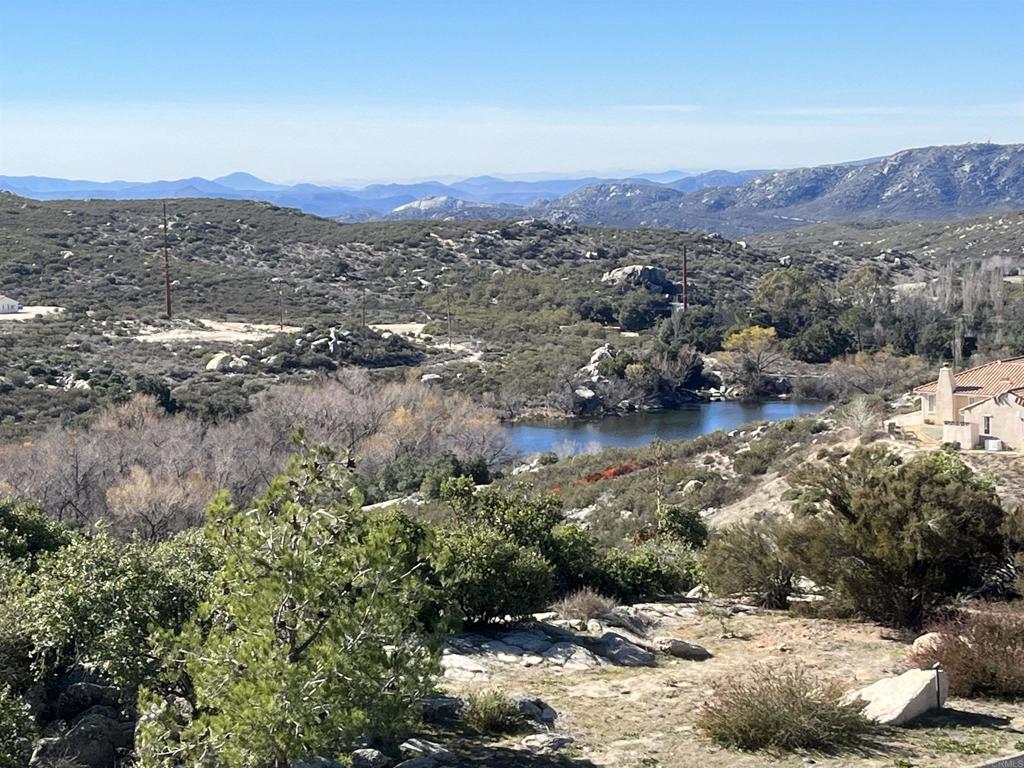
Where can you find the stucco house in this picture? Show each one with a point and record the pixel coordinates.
(7, 306)
(978, 404)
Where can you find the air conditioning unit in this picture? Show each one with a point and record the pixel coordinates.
(993, 444)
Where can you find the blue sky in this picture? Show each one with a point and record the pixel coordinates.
(333, 91)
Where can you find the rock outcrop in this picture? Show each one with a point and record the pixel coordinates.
(640, 276)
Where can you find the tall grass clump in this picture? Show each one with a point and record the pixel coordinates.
(782, 708)
(492, 712)
(585, 604)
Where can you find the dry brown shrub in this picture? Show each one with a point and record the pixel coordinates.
(782, 708)
(982, 652)
(585, 604)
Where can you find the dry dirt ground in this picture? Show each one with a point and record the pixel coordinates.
(29, 313)
(633, 717)
(216, 330)
(414, 332)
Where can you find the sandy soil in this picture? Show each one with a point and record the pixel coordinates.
(217, 330)
(408, 330)
(29, 313)
(646, 717)
(414, 332)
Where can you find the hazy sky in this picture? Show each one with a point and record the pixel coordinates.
(331, 91)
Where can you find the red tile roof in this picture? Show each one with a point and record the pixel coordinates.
(986, 380)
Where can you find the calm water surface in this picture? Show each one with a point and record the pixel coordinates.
(568, 437)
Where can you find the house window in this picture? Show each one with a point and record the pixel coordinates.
(987, 428)
(931, 403)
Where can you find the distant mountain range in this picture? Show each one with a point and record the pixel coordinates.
(930, 183)
(490, 193)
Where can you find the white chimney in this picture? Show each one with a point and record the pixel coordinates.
(945, 402)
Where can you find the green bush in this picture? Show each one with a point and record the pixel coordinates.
(95, 601)
(683, 524)
(756, 460)
(490, 576)
(527, 520)
(492, 712)
(26, 533)
(781, 708)
(15, 641)
(451, 466)
(896, 540)
(318, 631)
(653, 568)
(747, 559)
(17, 730)
(574, 558)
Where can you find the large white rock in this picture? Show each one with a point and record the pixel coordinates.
(459, 667)
(219, 361)
(898, 700)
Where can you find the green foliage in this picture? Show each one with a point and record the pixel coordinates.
(683, 523)
(755, 459)
(897, 539)
(17, 730)
(492, 712)
(26, 533)
(490, 576)
(15, 644)
(451, 466)
(319, 629)
(782, 709)
(548, 458)
(749, 559)
(95, 601)
(792, 299)
(820, 342)
(574, 558)
(653, 568)
(640, 309)
(527, 520)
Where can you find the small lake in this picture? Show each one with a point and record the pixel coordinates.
(571, 436)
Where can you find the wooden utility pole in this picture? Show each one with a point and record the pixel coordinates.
(448, 303)
(686, 282)
(167, 269)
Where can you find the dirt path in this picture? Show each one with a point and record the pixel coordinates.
(216, 330)
(29, 313)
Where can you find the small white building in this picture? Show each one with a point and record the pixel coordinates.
(8, 306)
